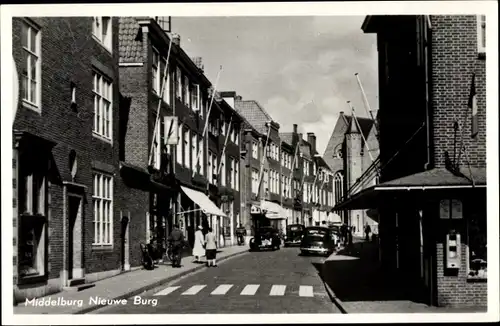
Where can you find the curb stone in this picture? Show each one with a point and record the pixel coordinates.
(155, 284)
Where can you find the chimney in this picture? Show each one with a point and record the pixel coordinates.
(229, 97)
(300, 136)
(341, 113)
(294, 128)
(176, 39)
(198, 61)
(238, 98)
(311, 139)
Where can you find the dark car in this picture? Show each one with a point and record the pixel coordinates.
(294, 235)
(318, 240)
(266, 237)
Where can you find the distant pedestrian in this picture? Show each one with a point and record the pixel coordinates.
(210, 248)
(176, 239)
(368, 229)
(199, 243)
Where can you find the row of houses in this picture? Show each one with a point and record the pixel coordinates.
(119, 135)
(430, 195)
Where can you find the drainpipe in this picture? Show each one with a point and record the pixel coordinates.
(426, 35)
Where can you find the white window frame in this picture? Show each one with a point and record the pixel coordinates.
(178, 75)
(102, 215)
(201, 148)
(155, 71)
(223, 170)
(28, 102)
(180, 144)
(186, 161)
(194, 150)
(214, 170)
(187, 92)
(97, 31)
(100, 98)
(255, 150)
(166, 91)
(481, 34)
(195, 98)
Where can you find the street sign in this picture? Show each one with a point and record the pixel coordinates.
(15, 87)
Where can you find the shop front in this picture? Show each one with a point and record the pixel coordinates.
(432, 234)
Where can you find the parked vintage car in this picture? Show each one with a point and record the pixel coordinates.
(294, 234)
(266, 237)
(318, 240)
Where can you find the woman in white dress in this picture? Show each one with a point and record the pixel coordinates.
(199, 243)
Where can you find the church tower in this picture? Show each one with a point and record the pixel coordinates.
(354, 168)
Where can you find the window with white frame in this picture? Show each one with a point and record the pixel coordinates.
(223, 128)
(155, 71)
(31, 65)
(102, 199)
(187, 148)
(195, 98)
(158, 144)
(214, 169)
(481, 34)
(179, 145)
(201, 155)
(103, 112)
(237, 136)
(255, 150)
(255, 181)
(166, 87)
(232, 172)
(237, 175)
(101, 29)
(338, 181)
(210, 163)
(178, 90)
(186, 91)
(194, 150)
(223, 169)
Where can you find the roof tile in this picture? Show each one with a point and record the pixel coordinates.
(130, 48)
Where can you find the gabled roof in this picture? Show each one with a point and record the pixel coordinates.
(366, 125)
(130, 48)
(254, 114)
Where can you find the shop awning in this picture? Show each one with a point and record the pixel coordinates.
(435, 179)
(202, 200)
(272, 210)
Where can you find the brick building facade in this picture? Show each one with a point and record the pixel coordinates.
(432, 195)
(183, 161)
(67, 200)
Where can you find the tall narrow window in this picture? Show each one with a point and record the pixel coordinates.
(101, 29)
(179, 146)
(194, 151)
(209, 167)
(201, 156)
(187, 148)
(179, 83)
(166, 87)
(223, 170)
(103, 115)
(155, 72)
(481, 34)
(237, 175)
(102, 198)
(30, 66)
(186, 91)
(195, 96)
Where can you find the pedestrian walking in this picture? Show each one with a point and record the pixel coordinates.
(176, 239)
(199, 243)
(210, 248)
(367, 232)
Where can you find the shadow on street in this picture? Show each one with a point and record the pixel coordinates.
(354, 274)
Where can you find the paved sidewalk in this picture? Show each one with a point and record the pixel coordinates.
(125, 285)
(357, 284)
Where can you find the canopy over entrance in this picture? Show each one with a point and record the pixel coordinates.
(206, 205)
(432, 180)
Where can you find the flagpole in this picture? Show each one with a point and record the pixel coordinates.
(365, 101)
(360, 130)
(264, 156)
(165, 75)
(225, 144)
(207, 118)
(472, 104)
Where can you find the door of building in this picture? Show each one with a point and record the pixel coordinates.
(74, 244)
(125, 246)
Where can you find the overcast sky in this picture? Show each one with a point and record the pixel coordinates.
(301, 69)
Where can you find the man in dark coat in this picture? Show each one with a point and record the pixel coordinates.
(176, 239)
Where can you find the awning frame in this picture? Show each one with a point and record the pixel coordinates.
(204, 200)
